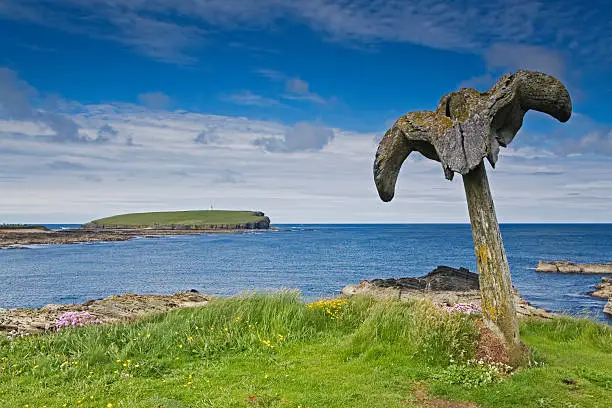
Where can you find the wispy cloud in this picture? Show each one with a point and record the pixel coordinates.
(468, 25)
(19, 104)
(509, 57)
(298, 89)
(250, 99)
(295, 88)
(155, 100)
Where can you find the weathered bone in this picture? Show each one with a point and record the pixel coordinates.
(468, 126)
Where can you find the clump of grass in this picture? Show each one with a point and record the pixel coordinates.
(422, 329)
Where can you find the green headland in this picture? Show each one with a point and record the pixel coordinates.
(201, 219)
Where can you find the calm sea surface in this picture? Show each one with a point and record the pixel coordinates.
(319, 260)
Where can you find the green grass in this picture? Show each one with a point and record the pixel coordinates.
(274, 351)
(194, 218)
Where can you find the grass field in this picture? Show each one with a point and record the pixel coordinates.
(195, 218)
(275, 351)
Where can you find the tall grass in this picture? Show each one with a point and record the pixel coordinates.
(283, 352)
(254, 324)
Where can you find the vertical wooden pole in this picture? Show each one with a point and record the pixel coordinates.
(498, 307)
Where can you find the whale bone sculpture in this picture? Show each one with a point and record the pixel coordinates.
(466, 127)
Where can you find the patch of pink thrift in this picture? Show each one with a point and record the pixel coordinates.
(467, 308)
(74, 319)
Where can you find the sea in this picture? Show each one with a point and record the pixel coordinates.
(317, 260)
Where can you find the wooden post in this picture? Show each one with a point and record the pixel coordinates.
(498, 307)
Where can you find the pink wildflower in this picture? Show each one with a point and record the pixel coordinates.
(467, 308)
(73, 319)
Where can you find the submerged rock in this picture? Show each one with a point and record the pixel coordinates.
(445, 286)
(570, 267)
(608, 308)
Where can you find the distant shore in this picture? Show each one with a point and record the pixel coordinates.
(22, 237)
(128, 226)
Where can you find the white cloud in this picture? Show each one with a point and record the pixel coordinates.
(45, 182)
(316, 174)
(301, 137)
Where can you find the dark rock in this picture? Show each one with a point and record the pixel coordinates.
(443, 278)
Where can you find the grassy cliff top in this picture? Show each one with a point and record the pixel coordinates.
(205, 217)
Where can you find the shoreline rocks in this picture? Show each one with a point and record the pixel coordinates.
(17, 239)
(113, 309)
(570, 267)
(603, 290)
(444, 286)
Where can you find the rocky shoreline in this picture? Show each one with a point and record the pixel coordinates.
(444, 286)
(113, 309)
(570, 267)
(18, 238)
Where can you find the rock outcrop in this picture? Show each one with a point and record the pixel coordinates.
(444, 286)
(570, 267)
(604, 289)
(109, 310)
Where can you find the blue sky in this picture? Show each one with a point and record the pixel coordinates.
(112, 106)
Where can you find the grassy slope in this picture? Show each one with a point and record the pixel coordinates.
(272, 351)
(206, 217)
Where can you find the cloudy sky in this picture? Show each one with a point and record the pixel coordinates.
(113, 106)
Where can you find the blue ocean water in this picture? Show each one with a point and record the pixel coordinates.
(319, 260)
